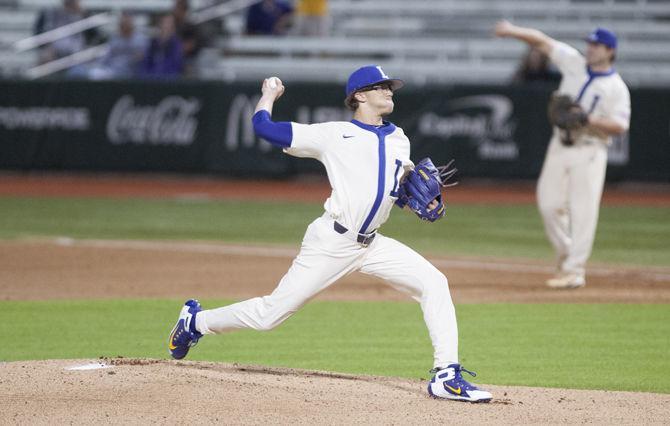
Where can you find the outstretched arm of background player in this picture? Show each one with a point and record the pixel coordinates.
(277, 133)
(533, 37)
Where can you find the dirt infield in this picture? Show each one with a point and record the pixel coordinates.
(168, 392)
(310, 188)
(154, 391)
(85, 269)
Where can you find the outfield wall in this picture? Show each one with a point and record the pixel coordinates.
(205, 127)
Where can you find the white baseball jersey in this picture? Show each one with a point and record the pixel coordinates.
(365, 165)
(601, 94)
(571, 183)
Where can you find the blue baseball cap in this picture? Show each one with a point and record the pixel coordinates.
(368, 76)
(603, 36)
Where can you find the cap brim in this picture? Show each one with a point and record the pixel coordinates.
(395, 84)
(592, 40)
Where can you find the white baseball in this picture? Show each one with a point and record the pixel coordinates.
(273, 82)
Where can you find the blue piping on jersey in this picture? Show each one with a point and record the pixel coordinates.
(596, 98)
(277, 133)
(592, 76)
(381, 132)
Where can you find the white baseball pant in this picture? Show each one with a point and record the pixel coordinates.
(325, 256)
(568, 196)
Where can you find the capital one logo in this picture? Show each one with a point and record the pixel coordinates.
(172, 121)
(486, 120)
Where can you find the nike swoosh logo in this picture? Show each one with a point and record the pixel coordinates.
(347, 136)
(456, 391)
(170, 345)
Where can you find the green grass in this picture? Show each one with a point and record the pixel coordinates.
(605, 346)
(631, 235)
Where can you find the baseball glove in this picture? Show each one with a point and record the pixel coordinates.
(423, 185)
(567, 115)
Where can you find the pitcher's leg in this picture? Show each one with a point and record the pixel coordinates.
(314, 269)
(586, 181)
(552, 201)
(409, 272)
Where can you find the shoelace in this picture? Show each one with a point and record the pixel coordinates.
(436, 369)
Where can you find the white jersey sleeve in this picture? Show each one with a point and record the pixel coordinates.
(567, 58)
(308, 140)
(620, 105)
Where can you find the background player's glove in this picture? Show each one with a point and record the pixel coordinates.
(423, 185)
(567, 115)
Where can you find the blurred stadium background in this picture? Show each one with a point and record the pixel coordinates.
(97, 169)
(469, 95)
(425, 41)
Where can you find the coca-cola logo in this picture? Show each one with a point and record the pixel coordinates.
(170, 122)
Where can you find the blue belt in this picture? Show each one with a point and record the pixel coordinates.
(364, 239)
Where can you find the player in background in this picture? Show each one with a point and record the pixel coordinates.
(365, 159)
(571, 182)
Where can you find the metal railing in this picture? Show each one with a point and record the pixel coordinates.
(62, 32)
(68, 30)
(66, 62)
(220, 10)
(198, 17)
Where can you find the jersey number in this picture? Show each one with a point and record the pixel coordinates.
(398, 167)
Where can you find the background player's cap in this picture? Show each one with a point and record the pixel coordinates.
(603, 36)
(368, 76)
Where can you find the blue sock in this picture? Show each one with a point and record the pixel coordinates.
(191, 325)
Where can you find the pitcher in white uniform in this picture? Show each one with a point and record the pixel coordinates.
(572, 178)
(365, 160)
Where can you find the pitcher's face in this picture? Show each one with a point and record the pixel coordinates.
(379, 98)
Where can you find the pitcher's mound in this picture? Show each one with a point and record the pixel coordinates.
(159, 391)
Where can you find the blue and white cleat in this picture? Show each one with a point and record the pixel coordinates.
(449, 384)
(182, 338)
